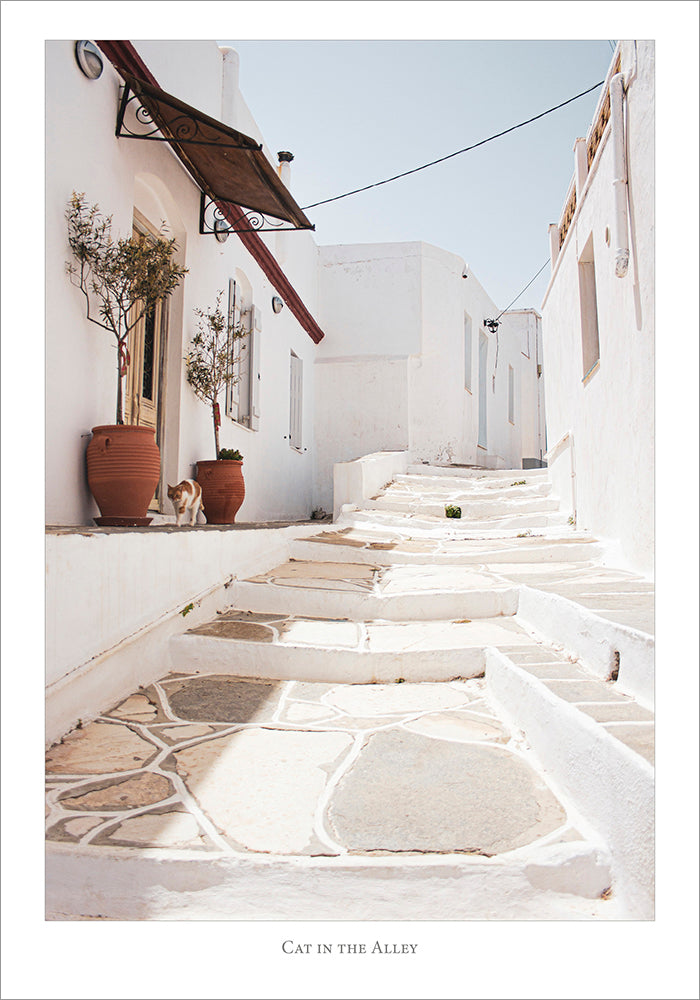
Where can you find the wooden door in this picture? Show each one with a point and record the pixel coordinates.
(144, 390)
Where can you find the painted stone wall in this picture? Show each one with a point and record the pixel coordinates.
(84, 155)
(398, 371)
(611, 414)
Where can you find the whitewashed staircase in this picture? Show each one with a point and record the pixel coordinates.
(479, 638)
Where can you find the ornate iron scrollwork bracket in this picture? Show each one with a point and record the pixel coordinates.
(135, 121)
(213, 221)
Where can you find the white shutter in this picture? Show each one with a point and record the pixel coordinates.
(295, 401)
(254, 368)
(234, 317)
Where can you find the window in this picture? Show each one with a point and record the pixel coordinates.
(243, 396)
(511, 395)
(295, 401)
(467, 352)
(589, 310)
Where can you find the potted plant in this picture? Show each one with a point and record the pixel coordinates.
(210, 370)
(121, 280)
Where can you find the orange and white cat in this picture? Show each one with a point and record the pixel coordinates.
(186, 498)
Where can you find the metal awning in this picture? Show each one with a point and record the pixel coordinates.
(230, 168)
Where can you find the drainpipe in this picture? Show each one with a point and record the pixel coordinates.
(620, 237)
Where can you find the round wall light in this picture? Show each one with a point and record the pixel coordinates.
(222, 230)
(89, 58)
(277, 304)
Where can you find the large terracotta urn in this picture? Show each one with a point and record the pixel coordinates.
(123, 468)
(223, 489)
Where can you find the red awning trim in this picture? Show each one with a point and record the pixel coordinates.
(126, 59)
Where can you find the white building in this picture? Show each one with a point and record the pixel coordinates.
(406, 363)
(598, 317)
(141, 182)
(409, 364)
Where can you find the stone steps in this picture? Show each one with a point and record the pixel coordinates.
(472, 510)
(364, 592)
(381, 727)
(386, 548)
(484, 475)
(285, 647)
(212, 797)
(485, 526)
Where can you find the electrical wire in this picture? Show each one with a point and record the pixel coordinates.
(458, 152)
(524, 289)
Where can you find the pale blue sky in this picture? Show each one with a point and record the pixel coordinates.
(355, 112)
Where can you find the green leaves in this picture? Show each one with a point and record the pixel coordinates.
(120, 278)
(209, 363)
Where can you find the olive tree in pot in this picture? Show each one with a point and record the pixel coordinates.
(210, 370)
(121, 280)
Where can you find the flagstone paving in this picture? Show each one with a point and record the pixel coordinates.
(223, 764)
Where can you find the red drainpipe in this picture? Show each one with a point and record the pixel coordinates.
(124, 57)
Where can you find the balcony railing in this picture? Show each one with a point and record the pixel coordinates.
(593, 140)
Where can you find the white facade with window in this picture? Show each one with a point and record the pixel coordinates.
(598, 325)
(141, 182)
(408, 364)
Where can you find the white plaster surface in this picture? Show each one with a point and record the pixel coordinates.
(610, 416)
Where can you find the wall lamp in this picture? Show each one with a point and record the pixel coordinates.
(277, 304)
(492, 324)
(89, 58)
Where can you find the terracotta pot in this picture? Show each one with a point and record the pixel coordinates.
(123, 467)
(223, 489)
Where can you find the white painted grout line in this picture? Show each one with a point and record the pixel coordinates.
(282, 703)
(332, 783)
(164, 703)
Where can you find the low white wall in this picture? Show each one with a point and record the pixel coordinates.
(594, 639)
(114, 598)
(356, 481)
(612, 787)
(361, 407)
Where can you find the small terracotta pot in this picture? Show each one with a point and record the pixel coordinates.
(223, 489)
(123, 468)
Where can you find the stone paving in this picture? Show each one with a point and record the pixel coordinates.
(216, 763)
(230, 765)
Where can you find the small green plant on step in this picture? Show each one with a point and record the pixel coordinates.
(524, 534)
(519, 482)
(572, 520)
(452, 511)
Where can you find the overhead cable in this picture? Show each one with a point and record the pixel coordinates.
(456, 153)
(523, 290)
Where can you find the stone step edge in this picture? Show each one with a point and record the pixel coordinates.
(332, 552)
(458, 472)
(428, 605)
(325, 664)
(126, 883)
(603, 645)
(611, 786)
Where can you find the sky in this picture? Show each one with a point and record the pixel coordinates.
(356, 112)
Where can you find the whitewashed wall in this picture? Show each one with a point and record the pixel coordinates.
(523, 332)
(391, 372)
(611, 416)
(83, 154)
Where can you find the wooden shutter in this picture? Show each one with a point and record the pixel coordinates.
(234, 317)
(295, 401)
(254, 367)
